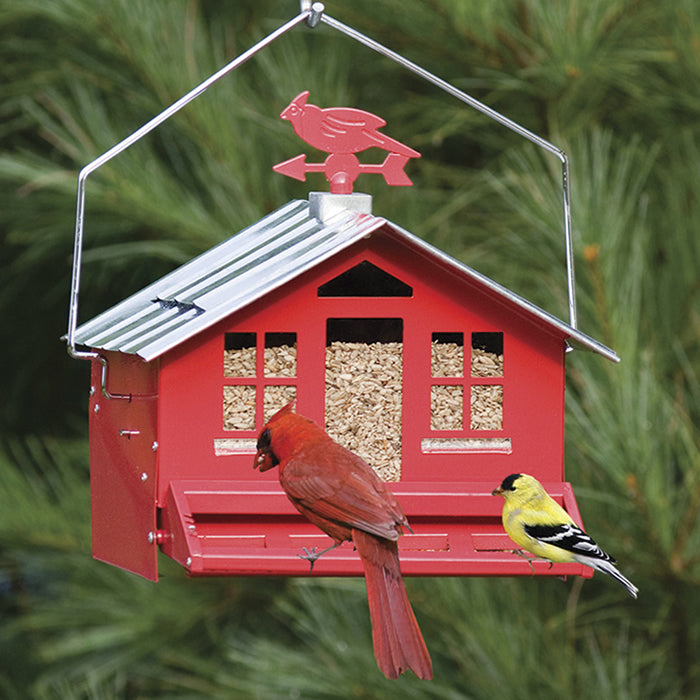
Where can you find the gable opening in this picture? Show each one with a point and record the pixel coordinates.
(365, 280)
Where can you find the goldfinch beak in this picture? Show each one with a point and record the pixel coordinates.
(498, 492)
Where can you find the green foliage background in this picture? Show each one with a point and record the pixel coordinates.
(615, 83)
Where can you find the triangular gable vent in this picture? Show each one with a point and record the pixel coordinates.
(365, 280)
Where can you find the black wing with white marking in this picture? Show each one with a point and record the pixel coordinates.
(568, 537)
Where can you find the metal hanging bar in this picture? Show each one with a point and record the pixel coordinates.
(493, 114)
(122, 146)
(312, 13)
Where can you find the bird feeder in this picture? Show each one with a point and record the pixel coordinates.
(440, 378)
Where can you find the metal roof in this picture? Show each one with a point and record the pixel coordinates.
(246, 267)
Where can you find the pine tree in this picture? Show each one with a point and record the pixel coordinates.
(611, 82)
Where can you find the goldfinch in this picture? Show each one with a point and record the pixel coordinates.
(538, 524)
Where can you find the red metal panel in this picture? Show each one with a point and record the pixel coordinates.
(212, 528)
(123, 465)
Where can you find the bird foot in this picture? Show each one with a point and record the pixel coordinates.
(312, 555)
(521, 553)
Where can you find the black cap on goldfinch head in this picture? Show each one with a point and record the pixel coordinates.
(506, 485)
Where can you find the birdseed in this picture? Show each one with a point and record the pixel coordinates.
(487, 407)
(239, 362)
(239, 407)
(281, 361)
(363, 402)
(446, 407)
(276, 397)
(486, 364)
(364, 394)
(447, 359)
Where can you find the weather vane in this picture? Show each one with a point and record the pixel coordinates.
(342, 132)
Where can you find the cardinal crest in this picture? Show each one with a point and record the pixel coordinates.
(342, 132)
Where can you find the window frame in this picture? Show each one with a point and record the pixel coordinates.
(467, 439)
(260, 381)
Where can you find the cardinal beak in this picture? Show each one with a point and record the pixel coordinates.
(296, 106)
(498, 492)
(260, 461)
(264, 460)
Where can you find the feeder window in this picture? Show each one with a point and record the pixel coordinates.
(275, 397)
(259, 377)
(363, 402)
(239, 355)
(446, 407)
(239, 407)
(280, 355)
(483, 396)
(487, 355)
(365, 280)
(486, 407)
(487, 399)
(447, 400)
(447, 355)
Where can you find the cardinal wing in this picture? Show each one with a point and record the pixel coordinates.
(337, 488)
(340, 121)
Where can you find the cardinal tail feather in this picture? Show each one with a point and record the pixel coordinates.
(398, 642)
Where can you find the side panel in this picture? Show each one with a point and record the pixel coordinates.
(123, 464)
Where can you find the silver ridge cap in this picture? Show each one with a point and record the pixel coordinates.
(324, 205)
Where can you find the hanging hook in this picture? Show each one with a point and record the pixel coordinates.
(315, 10)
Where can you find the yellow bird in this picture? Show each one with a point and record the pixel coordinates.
(538, 524)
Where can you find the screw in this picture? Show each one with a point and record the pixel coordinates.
(157, 537)
(188, 562)
(144, 476)
(97, 408)
(154, 446)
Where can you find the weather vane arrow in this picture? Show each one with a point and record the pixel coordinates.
(342, 132)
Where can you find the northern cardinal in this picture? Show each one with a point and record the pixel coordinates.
(340, 129)
(340, 493)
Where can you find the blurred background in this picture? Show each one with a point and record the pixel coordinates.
(614, 83)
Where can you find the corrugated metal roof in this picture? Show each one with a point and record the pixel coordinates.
(259, 259)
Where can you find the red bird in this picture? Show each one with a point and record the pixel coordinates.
(340, 129)
(340, 493)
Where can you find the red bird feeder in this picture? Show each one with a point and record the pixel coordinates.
(441, 379)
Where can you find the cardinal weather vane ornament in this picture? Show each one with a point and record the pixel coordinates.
(342, 132)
